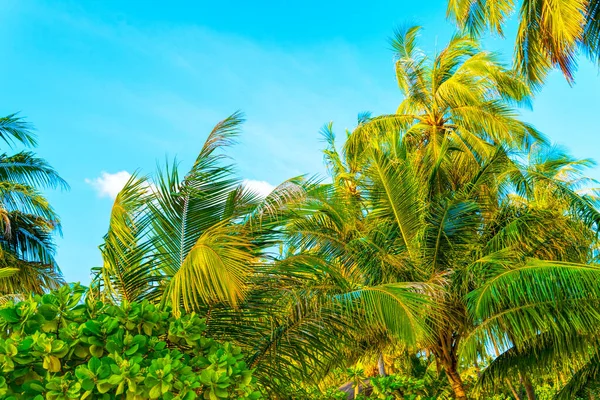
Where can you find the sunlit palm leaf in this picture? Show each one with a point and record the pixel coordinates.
(549, 32)
(560, 297)
(128, 272)
(215, 269)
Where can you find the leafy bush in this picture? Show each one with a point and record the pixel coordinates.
(57, 346)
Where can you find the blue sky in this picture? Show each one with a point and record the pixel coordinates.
(114, 87)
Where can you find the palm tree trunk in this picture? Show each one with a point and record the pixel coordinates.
(529, 390)
(513, 390)
(456, 382)
(445, 352)
(381, 365)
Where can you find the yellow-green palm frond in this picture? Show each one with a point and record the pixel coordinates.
(128, 272)
(30, 277)
(549, 33)
(215, 269)
(477, 15)
(534, 297)
(410, 63)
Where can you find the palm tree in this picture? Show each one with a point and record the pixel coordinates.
(492, 249)
(550, 33)
(436, 199)
(175, 239)
(27, 221)
(207, 244)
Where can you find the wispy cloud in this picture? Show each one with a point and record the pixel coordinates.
(109, 185)
(261, 187)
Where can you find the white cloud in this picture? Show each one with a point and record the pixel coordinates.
(109, 185)
(261, 187)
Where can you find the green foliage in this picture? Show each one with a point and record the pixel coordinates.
(27, 221)
(60, 346)
(449, 228)
(392, 387)
(328, 394)
(545, 392)
(399, 387)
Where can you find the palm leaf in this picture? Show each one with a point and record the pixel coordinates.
(215, 269)
(14, 129)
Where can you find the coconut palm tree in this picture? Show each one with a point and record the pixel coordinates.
(491, 248)
(27, 221)
(550, 33)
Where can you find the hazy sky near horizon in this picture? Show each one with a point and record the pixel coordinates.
(114, 87)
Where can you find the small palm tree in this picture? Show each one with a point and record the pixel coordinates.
(207, 244)
(27, 221)
(177, 239)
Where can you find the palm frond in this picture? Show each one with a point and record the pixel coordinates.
(128, 272)
(26, 169)
(403, 308)
(14, 129)
(560, 297)
(215, 269)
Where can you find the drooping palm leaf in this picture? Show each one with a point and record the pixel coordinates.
(128, 272)
(27, 169)
(549, 32)
(14, 129)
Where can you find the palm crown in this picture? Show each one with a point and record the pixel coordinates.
(27, 221)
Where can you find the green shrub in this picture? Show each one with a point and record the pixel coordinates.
(57, 346)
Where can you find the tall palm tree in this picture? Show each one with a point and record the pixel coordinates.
(491, 248)
(436, 198)
(550, 33)
(27, 221)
